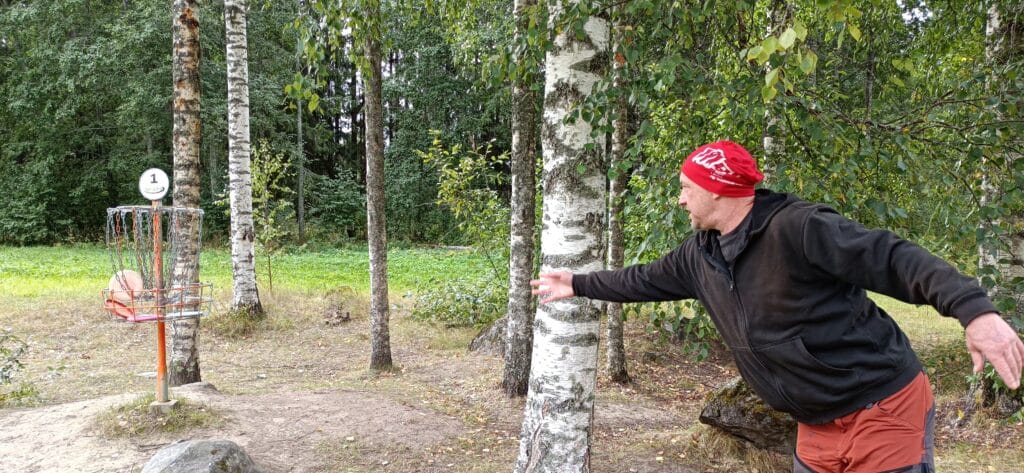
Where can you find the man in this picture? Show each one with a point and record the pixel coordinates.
(785, 283)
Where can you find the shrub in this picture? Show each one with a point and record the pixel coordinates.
(461, 302)
(337, 207)
(11, 350)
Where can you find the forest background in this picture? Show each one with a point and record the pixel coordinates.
(903, 115)
(888, 111)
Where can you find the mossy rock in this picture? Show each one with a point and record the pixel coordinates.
(735, 409)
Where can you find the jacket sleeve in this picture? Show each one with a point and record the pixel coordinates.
(665, 279)
(880, 261)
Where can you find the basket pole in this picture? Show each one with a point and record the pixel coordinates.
(158, 281)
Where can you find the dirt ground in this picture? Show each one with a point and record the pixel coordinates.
(297, 397)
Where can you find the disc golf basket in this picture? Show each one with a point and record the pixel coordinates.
(145, 246)
(154, 252)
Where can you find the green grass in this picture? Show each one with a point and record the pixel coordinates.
(31, 272)
(136, 419)
(925, 327)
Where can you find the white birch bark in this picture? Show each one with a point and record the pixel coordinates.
(1004, 250)
(245, 295)
(187, 138)
(772, 139)
(557, 424)
(519, 337)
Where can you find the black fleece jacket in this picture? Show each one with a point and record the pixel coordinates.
(792, 306)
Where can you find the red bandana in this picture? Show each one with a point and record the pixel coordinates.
(723, 168)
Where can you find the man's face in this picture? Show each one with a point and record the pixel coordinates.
(697, 201)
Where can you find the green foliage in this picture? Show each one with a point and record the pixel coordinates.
(85, 94)
(465, 301)
(23, 217)
(426, 87)
(945, 364)
(12, 349)
(272, 207)
(990, 377)
(467, 185)
(338, 206)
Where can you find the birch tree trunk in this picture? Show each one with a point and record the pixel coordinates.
(519, 326)
(1001, 254)
(1000, 239)
(557, 430)
(245, 295)
(187, 138)
(772, 137)
(377, 237)
(300, 162)
(616, 355)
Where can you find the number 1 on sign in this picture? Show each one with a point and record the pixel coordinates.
(154, 188)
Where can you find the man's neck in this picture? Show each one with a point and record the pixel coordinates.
(735, 213)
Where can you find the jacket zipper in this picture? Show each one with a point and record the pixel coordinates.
(730, 273)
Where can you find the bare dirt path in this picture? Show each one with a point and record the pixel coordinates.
(297, 397)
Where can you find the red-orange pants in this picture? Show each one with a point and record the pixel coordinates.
(896, 434)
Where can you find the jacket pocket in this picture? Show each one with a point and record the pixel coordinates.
(809, 383)
(763, 382)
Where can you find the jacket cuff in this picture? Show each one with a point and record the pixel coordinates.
(579, 283)
(972, 310)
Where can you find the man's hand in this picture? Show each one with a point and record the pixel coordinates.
(556, 285)
(990, 338)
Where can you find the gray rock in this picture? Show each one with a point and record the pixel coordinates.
(201, 456)
(491, 340)
(735, 409)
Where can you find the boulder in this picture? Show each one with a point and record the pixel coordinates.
(736, 410)
(491, 340)
(201, 456)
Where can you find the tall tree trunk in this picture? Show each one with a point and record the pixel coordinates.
(1001, 242)
(772, 137)
(300, 154)
(355, 128)
(380, 356)
(616, 355)
(1001, 254)
(557, 430)
(187, 138)
(245, 295)
(519, 334)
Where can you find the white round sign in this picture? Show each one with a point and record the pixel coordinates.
(154, 184)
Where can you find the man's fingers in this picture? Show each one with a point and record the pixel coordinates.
(1006, 371)
(1016, 365)
(1019, 349)
(979, 360)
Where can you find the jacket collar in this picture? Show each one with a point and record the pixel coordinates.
(767, 203)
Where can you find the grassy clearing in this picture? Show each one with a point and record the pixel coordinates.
(134, 419)
(32, 272)
(50, 298)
